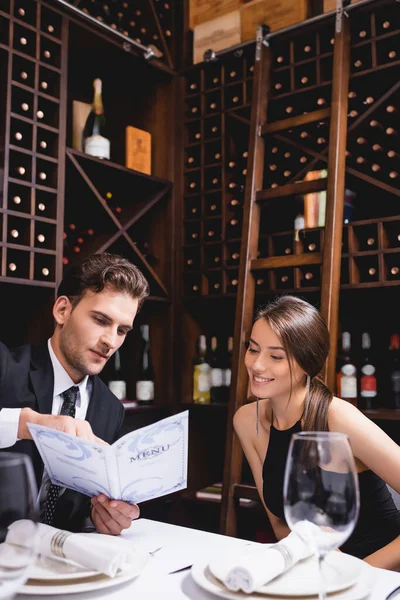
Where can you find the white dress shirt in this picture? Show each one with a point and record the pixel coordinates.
(9, 417)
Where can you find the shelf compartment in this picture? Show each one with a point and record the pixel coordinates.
(213, 205)
(50, 22)
(23, 70)
(365, 269)
(21, 134)
(25, 11)
(17, 263)
(213, 256)
(192, 259)
(44, 267)
(50, 52)
(22, 102)
(45, 204)
(392, 267)
(4, 30)
(19, 198)
(391, 234)
(24, 40)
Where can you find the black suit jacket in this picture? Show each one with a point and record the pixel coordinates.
(27, 380)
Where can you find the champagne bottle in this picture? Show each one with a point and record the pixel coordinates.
(94, 141)
(116, 383)
(145, 380)
(201, 374)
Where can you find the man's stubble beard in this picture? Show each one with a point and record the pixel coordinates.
(72, 354)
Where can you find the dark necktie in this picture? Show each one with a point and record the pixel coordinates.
(68, 409)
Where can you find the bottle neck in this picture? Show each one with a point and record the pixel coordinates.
(97, 105)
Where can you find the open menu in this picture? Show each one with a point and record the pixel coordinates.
(143, 464)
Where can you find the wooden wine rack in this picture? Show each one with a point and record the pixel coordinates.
(217, 118)
(147, 22)
(32, 40)
(297, 142)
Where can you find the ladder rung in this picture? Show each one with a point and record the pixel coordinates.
(295, 260)
(299, 187)
(246, 491)
(317, 115)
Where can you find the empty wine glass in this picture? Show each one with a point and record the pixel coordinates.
(18, 501)
(320, 492)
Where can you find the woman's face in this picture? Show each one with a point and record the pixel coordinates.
(268, 365)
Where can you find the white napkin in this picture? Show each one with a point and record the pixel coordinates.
(97, 552)
(257, 566)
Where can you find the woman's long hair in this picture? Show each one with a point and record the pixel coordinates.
(305, 338)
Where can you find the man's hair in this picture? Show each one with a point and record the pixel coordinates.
(101, 271)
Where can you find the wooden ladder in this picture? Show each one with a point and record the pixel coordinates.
(329, 258)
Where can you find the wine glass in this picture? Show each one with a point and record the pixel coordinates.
(320, 491)
(18, 500)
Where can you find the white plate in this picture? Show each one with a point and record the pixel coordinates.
(47, 568)
(57, 585)
(360, 590)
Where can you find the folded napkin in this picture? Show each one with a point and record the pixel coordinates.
(259, 565)
(97, 552)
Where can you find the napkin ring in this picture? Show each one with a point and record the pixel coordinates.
(287, 555)
(57, 543)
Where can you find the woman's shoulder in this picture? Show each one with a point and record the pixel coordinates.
(246, 414)
(342, 413)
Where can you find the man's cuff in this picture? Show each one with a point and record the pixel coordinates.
(9, 422)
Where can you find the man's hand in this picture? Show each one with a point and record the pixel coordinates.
(77, 427)
(112, 516)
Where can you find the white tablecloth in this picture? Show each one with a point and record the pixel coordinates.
(181, 547)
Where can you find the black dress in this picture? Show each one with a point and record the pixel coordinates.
(379, 520)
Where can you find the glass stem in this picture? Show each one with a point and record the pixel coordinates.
(322, 594)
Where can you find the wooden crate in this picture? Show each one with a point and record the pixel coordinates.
(80, 112)
(275, 13)
(217, 34)
(330, 5)
(138, 150)
(201, 11)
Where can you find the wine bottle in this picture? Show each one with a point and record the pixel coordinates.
(368, 379)
(145, 380)
(217, 383)
(346, 378)
(116, 383)
(226, 364)
(394, 359)
(201, 374)
(94, 141)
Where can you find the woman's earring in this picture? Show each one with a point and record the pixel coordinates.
(257, 417)
(308, 385)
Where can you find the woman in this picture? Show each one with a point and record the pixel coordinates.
(287, 350)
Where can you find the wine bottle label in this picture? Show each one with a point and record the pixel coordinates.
(217, 378)
(227, 377)
(145, 391)
(118, 388)
(97, 145)
(368, 385)
(202, 377)
(348, 387)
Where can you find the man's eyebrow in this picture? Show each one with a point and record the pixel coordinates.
(107, 318)
(269, 347)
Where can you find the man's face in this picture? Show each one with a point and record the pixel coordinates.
(89, 334)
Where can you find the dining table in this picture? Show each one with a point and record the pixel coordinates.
(172, 551)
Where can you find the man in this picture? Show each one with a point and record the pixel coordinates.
(57, 385)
